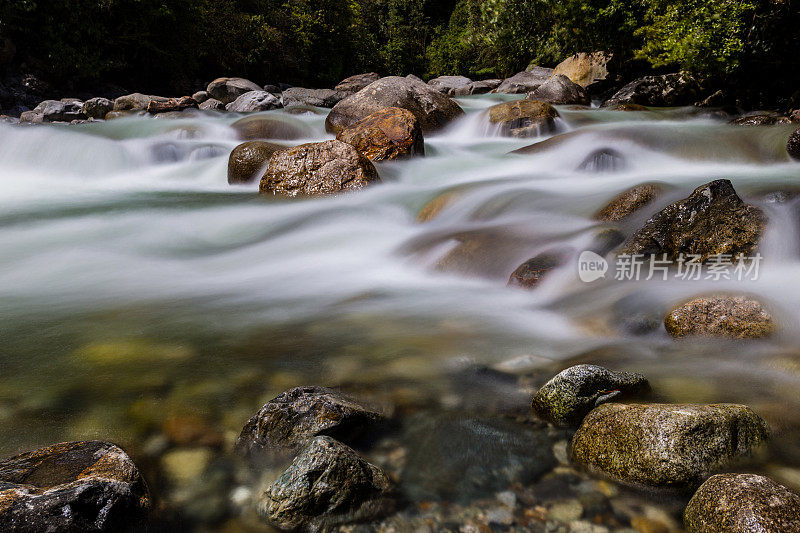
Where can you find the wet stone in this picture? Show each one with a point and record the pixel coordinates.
(567, 398)
(628, 202)
(530, 273)
(739, 317)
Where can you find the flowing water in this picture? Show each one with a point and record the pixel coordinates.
(137, 286)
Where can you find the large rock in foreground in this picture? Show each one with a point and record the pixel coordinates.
(391, 133)
(317, 169)
(585, 69)
(293, 418)
(560, 90)
(326, 485)
(248, 160)
(666, 446)
(742, 503)
(86, 486)
(567, 398)
(525, 81)
(226, 90)
(793, 145)
(524, 118)
(667, 90)
(712, 220)
(720, 316)
(433, 109)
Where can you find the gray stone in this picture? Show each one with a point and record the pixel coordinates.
(525, 81)
(326, 485)
(132, 102)
(254, 101)
(666, 90)
(560, 90)
(449, 84)
(201, 96)
(742, 503)
(478, 87)
(293, 418)
(97, 108)
(313, 97)
(665, 445)
(226, 90)
(88, 486)
(355, 83)
(567, 398)
(212, 104)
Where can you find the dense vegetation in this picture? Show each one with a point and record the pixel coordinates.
(178, 44)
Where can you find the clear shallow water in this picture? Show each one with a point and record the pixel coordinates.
(137, 285)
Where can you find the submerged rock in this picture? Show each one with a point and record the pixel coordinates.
(525, 81)
(585, 69)
(567, 398)
(712, 220)
(531, 272)
(465, 458)
(355, 83)
(742, 503)
(666, 446)
(88, 486)
(560, 90)
(667, 90)
(293, 418)
(317, 169)
(603, 160)
(326, 485)
(449, 84)
(739, 317)
(391, 133)
(313, 97)
(793, 145)
(248, 160)
(524, 118)
(264, 127)
(226, 90)
(628, 202)
(433, 109)
(254, 101)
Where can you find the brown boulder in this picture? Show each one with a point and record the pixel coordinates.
(264, 127)
(248, 160)
(317, 169)
(524, 118)
(391, 133)
(628, 202)
(172, 104)
(585, 69)
(729, 316)
(433, 109)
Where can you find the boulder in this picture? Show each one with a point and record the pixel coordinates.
(132, 102)
(461, 458)
(603, 160)
(226, 90)
(391, 133)
(524, 118)
(585, 69)
(667, 90)
(293, 418)
(266, 127)
(51, 110)
(712, 220)
(355, 83)
(313, 97)
(97, 108)
(32, 117)
(628, 202)
(478, 87)
(531, 272)
(560, 90)
(673, 446)
(254, 101)
(567, 398)
(171, 105)
(274, 89)
(89, 486)
(449, 84)
(200, 96)
(525, 81)
(212, 104)
(326, 485)
(433, 109)
(317, 169)
(742, 503)
(739, 317)
(793, 145)
(248, 160)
